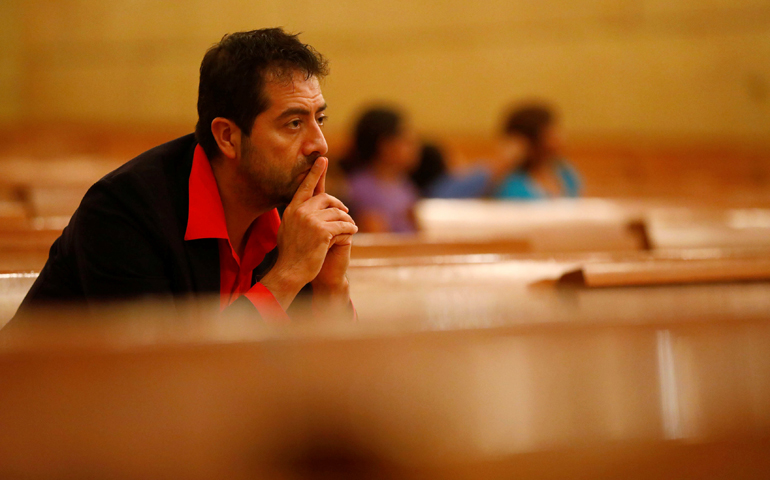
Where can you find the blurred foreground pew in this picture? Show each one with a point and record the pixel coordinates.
(145, 394)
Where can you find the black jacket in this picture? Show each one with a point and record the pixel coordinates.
(126, 239)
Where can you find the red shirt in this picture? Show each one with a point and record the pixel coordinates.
(206, 219)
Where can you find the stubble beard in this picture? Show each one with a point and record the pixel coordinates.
(264, 183)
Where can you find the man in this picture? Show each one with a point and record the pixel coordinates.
(198, 214)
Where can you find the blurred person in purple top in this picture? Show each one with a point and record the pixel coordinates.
(385, 150)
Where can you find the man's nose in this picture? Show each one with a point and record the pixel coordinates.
(315, 143)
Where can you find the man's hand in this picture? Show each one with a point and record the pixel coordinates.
(314, 223)
(331, 293)
(331, 282)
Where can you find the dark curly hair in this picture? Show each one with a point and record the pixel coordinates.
(233, 75)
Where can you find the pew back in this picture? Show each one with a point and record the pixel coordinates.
(13, 289)
(630, 400)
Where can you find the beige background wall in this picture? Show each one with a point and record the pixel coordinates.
(669, 68)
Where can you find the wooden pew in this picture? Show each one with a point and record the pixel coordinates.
(600, 225)
(51, 186)
(11, 210)
(596, 269)
(687, 267)
(566, 225)
(23, 259)
(25, 242)
(708, 228)
(34, 239)
(478, 227)
(370, 245)
(54, 201)
(496, 288)
(13, 289)
(70, 170)
(484, 282)
(193, 398)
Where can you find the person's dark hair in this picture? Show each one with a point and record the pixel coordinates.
(431, 167)
(373, 126)
(529, 121)
(233, 74)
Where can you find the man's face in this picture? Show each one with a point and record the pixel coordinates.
(285, 140)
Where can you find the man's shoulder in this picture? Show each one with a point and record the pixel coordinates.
(156, 180)
(165, 157)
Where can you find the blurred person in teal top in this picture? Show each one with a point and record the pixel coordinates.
(543, 172)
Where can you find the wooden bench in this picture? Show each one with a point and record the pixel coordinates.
(505, 285)
(25, 242)
(554, 226)
(373, 245)
(51, 186)
(708, 228)
(596, 269)
(690, 266)
(158, 396)
(599, 225)
(497, 289)
(13, 289)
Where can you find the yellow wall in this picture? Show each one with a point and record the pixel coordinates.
(11, 74)
(694, 68)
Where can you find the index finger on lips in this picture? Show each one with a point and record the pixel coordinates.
(308, 185)
(321, 185)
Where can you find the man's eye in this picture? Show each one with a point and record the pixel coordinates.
(295, 123)
(322, 119)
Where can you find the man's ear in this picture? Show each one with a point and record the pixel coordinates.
(228, 137)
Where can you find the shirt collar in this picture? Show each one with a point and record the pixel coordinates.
(206, 215)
